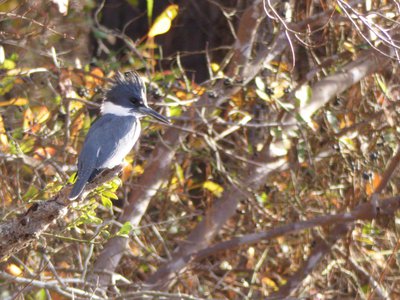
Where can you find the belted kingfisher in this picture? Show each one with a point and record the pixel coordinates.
(115, 133)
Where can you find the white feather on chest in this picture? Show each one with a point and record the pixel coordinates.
(123, 146)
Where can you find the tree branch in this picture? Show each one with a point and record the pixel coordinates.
(20, 232)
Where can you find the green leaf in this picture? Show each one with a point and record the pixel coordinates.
(150, 5)
(8, 64)
(98, 34)
(72, 178)
(6, 84)
(105, 234)
(175, 111)
(30, 194)
(40, 295)
(27, 145)
(179, 174)
(106, 202)
(125, 230)
(262, 198)
(110, 195)
(382, 84)
(116, 183)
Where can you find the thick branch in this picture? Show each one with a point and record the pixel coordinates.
(20, 232)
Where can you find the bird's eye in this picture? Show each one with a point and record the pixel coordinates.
(136, 101)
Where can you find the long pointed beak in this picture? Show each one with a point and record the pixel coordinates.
(152, 113)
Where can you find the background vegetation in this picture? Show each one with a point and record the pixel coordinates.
(277, 177)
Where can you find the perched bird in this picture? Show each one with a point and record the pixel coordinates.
(116, 131)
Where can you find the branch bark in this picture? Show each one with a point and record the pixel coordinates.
(21, 231)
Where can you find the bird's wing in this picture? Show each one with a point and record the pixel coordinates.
(87, 160)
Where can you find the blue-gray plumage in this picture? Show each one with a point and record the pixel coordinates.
(115, 133)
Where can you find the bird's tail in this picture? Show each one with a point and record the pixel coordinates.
(77, 189)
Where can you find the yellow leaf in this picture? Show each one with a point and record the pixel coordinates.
(162, 24)
(28, 119)
(14, 101)
(213, 187)
(3, 135)
(270, 283)
(4, 140)
(13, 270)
(77, 125)
(215, 67)
(35, 116)
(138, 170)
(41, 113)
(179, 174)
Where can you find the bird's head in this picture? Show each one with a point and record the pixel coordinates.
(127, 97)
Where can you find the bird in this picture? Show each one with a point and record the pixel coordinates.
(113, 135)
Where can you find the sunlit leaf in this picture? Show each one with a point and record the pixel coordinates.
(106, 202)
(175, 111)
(94, 79)
(125, 230)
(35, 116)
(31, 193)
(2, 55)
(262, 198)
(138, 170)
(6, 84)
(14, 101)
(303, 95)
(162, 24)
(263, 95)
(44, 152)
(27, 145)
(270, 283)
(260, 83)
(8, 64)
(115, 183)
(110, 195)
(41, 113)
(381, 82)
(348, 141)
(179, 173)
(13, 269)
(349, 47)
(215, 67)
(213, 187)
(77, 125)
(3, 135)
